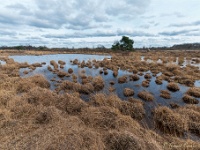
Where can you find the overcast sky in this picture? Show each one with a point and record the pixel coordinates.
(89, 23)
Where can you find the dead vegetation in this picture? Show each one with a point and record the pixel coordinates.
(165, 94)
(173, 87)
(34, 117)
(128, 92)
(146, 96)
(169, 121)
(190, 100)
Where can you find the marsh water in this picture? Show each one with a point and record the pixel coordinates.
(176, 97)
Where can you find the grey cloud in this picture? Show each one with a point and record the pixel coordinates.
(76, 15)
(176, 14)
(195, 23)
(180, 32)
(8, 33)
(16, 6)
(100, 33)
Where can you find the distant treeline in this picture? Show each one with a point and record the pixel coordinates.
(186, 46)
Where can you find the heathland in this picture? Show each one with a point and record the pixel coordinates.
(108, 100)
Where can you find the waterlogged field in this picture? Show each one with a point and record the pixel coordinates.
(117, 101)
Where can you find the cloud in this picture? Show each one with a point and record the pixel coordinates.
(101, 33)
(180, 32)
(76, 15)
(176, 14)
(186, 24)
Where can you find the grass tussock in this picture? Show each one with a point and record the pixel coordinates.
(170, 122)
(134, 77)
(194, 91)
(128, 92)
(191, 112)
(54, 64)
(145, 83)
(146, 96)
(189, 99)
(133, 109)
(165, 94)
(173, 87)
(98, 83)
(122, 79)
(61, 62)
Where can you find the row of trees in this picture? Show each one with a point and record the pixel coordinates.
(124, 44)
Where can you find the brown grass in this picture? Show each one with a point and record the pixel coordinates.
(61, 62)
(173, 87)
(170, 122)
(98, 83)
(190, 100)
(54, 64)
(128, 92)
(145, 96)
(145, 83)
(193, 114)
(147, 76)
(194, 91)
(165, 94)
(134, 77)
(70, 71)
(122, 79)
(34, 117)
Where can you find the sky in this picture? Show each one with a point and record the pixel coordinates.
(93, 23)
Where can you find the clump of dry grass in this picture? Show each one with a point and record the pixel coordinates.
(145, 83)
(128, 92)
(146, 96)
(115, 73)
(62, 74)
(172, 67)
(122, 79)
(132, 109)
(101, 99)
(194, 91)
(123, 141)
(98, 83)
(191, 112)
(25, 72)
(71, 105)
(158, 81)
(173, 86)
(37, 65)
(190, 100)
(49, 68)
(147, 76)
(40, 81)
(165, 94)
(54, 64)
(174, 105)
(105, 118)
(170, 122)
(105, 72)
(134, 77)
(61, 62)
(70, 70)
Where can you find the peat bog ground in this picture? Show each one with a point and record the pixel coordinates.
(135, 100)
